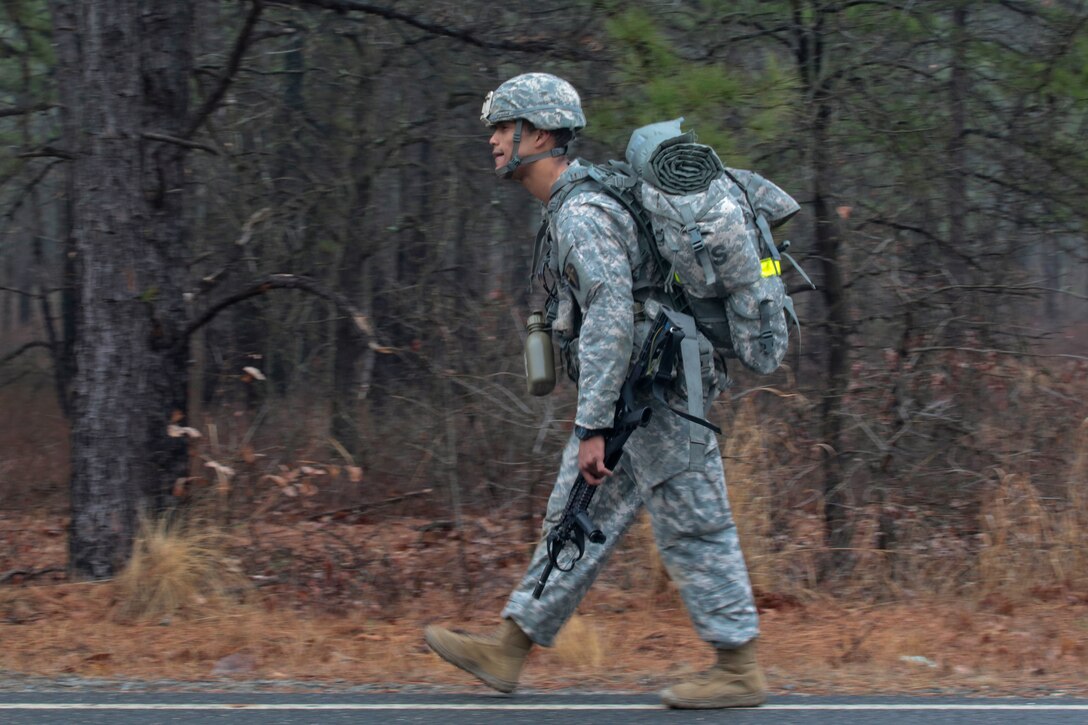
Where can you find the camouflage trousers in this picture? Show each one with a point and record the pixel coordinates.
(692, 524)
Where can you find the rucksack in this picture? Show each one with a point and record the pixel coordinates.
(707, 228)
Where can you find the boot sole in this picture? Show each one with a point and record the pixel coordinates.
(469, 666)
(753, 700)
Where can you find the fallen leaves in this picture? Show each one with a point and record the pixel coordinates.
(346, 600)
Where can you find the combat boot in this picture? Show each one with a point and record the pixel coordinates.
(735, 680)
(495, 659)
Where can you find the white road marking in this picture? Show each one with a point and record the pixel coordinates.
(981, 707)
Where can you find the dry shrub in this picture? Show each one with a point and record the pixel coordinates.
(929, 556)
(177, 567)
(749, 490)
(1031, 544)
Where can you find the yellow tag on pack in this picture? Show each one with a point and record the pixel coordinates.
(771, 267)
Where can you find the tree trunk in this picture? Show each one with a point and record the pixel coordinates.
(829, 252)
(809, 49)
(66, 47)
(353, 362)
(131, 71)
(957, 162)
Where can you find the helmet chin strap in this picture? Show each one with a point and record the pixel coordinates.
(507, 170)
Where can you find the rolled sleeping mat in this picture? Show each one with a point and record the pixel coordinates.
(671, 160)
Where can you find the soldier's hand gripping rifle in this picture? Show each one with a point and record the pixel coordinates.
(651, 369)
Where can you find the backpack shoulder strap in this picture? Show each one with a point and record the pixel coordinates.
(618, 180)
(573, 180)
(560, 192)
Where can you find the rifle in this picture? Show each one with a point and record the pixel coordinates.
(652, 369)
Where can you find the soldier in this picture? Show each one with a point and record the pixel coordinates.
(592, 258)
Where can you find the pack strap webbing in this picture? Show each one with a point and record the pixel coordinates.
(682, 339)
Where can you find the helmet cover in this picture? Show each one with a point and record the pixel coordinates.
(544, 100)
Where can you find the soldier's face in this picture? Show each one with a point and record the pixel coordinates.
(502, 143)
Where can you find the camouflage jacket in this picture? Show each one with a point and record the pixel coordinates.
(593, 255)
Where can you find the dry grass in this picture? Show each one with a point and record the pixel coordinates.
(993, 595)
(1030, 545)
(750, 493)
(580, 644)
(178, 568)
(789, 567)
(631, 632)
(615, 642)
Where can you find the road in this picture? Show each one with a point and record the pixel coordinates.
(94, 708)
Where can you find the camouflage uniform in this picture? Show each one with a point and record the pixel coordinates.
(594, 255)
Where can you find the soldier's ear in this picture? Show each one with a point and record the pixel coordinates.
(542, 139)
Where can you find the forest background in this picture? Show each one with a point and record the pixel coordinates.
(256, 272)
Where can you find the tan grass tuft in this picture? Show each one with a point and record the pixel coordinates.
(177, 568)
(579, 644)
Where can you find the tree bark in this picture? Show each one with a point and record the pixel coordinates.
(130, 64)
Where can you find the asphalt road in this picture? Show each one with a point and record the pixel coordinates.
(566, 709)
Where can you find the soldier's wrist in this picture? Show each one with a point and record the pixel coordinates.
(584, 434)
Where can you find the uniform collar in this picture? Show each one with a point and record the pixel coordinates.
(577, 171)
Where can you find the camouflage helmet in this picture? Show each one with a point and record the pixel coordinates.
(546, 101)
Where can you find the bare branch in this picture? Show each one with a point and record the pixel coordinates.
(47, 152)
(360, 508)
(22, 110)
(236, 55)
(899, 226)
(26, 191)
(547, 46)
(209, 281)
(290, 281)
(1003, 289)
(27, 573)
(18, 291)
(152, 136)
(994, 351)
(19, 351)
